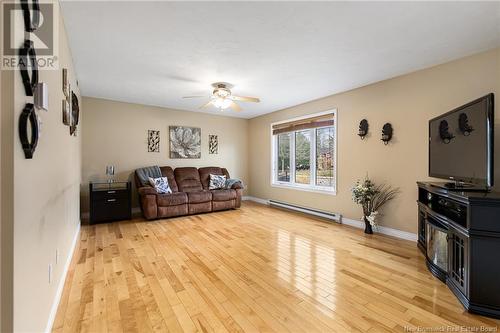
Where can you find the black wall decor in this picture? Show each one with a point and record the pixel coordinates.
(30, 141)
(75, 114)
(28, 63)
(444, 132)
(31, 15)
(27, 57)
(363, 129)
(387, 133)
(463, 124)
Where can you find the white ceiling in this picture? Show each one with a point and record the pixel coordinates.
(286, 53)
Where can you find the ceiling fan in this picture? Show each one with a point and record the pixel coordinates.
(222, 98)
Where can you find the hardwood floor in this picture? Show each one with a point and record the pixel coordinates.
(253, 269)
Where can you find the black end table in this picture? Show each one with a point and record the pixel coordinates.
(110, 201)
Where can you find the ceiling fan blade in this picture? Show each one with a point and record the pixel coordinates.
(193, 96)
(235, 107)
(245, 99)
(206, 105)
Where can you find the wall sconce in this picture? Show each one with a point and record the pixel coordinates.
(444, 132)
(110, 172)
(463, 124)
(386, 133)
(41, 96)
(363, 129)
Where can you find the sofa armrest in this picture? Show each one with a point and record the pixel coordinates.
(237, 186)
(239, 194)
(147, 200)
(145, 190)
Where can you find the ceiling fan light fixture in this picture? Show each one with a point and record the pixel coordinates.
(222, 103)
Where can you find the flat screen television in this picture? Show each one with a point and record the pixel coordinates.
(461, 145)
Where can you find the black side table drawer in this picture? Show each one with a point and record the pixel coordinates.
(110, 201)
(110, 194)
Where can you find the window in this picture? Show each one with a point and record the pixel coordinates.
(303, 154)
(284, 157)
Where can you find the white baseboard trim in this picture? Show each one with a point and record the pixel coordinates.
(62, 280)
(381, 229)
(255, 199)
(357, 224)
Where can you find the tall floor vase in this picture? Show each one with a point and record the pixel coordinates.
(368, 226)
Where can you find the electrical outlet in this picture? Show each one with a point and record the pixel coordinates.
(50, 273)
(57, 256)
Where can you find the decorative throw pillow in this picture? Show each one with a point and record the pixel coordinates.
(160, 184)
(216, 182)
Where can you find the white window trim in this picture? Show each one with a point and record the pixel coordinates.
(304, 187)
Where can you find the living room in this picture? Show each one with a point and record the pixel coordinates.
(284, 142)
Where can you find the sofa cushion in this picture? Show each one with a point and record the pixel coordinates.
(205, 174)
(203, 207)
(146, 190)
(223, 205)
(172, 199)
(169, 211)
(168, 172)
(188, 179)
(217, 182)
(198, 197)
(160, 184)
(223, 195)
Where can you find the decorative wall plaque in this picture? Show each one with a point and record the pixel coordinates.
(153, 141)
(213, 144)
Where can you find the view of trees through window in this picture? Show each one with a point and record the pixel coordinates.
(303, 157)
(324, 156)
(312, 152)
(284, 157)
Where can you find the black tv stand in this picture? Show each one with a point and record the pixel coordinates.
(459, 234)
(460, 186)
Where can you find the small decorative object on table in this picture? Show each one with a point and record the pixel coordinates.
(372, 197)
(110, 172)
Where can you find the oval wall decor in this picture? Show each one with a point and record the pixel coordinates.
(27, 54)
(31, 15)
(28, 140)
(75, 113)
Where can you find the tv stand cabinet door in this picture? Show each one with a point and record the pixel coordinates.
(458, 261)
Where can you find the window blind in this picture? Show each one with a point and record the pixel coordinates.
(313, 122)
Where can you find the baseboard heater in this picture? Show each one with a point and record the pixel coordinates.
(316, 212)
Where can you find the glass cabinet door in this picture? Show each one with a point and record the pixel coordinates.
(458, 260)
(437, 244)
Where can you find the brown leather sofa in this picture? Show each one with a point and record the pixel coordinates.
(190, 193)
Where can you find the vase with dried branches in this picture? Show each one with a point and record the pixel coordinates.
(372, 197)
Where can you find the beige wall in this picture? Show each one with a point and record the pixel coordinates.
(407, 102)
(115, 133)
(46, 200)
(6, 202)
